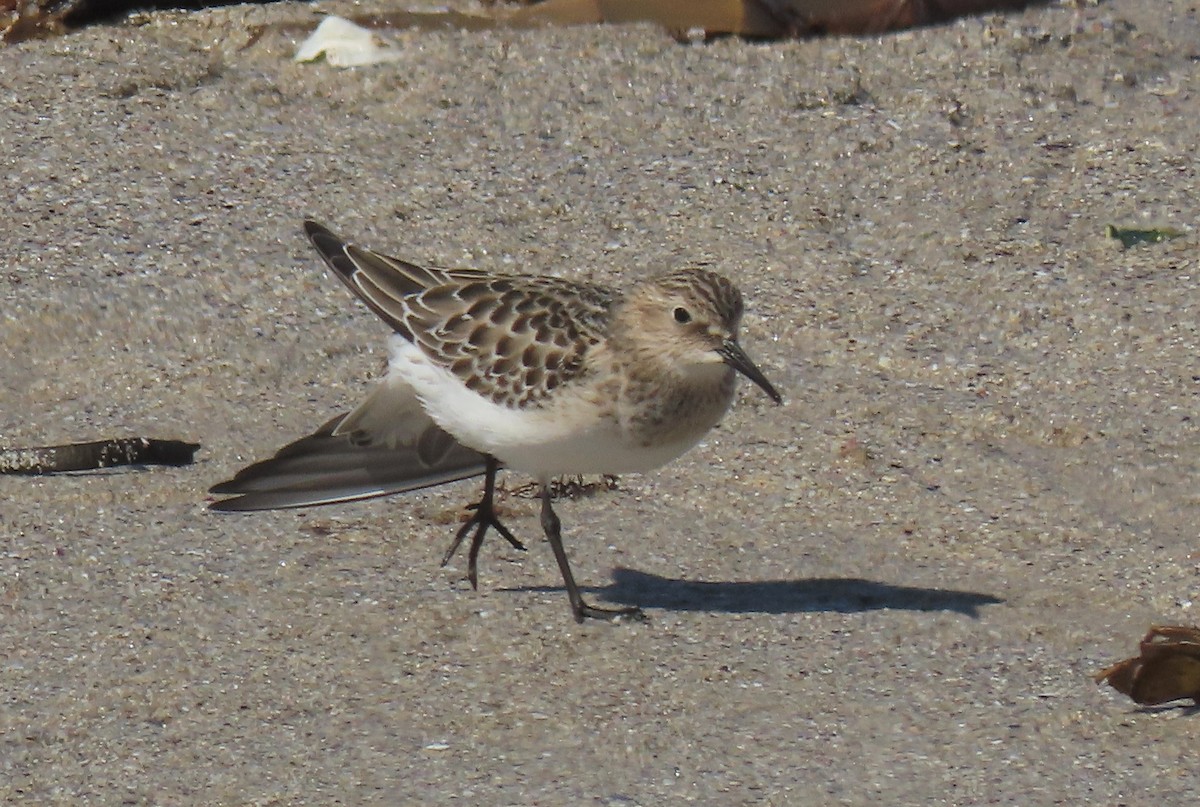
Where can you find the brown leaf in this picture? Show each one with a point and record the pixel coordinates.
(1168, 668)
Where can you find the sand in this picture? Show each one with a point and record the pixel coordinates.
(893, 589)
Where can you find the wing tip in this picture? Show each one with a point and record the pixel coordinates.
(225, 506)
(331, 246)
(314, 229)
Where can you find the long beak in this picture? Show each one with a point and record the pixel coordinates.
(733, 355)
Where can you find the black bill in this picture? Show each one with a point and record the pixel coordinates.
(736, 358)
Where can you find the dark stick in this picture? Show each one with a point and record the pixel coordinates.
(95, 455)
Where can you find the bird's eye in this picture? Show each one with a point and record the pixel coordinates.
(682, 315)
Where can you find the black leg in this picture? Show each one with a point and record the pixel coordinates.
(580, 609)
(483, 517)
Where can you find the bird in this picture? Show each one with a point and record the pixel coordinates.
(535, 374)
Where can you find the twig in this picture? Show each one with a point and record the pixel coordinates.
(98, 454)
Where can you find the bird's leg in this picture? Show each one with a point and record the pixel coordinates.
(580, 609)
(483, 517)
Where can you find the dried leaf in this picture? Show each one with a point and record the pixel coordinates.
(1168, 668)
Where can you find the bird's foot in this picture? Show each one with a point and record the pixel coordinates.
(631, 613)
(483, 517)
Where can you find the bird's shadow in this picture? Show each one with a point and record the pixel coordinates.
(844, 595)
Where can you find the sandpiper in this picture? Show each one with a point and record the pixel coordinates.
(536, 374)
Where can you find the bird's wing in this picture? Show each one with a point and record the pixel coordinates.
(382, 282)
(386, 445)
(510, 338)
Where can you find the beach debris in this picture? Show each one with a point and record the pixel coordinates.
(345, 44)
(770, 19)
(33, 19)
(687, 20)
(95, 455)
(1168, 668)
(1132, 236)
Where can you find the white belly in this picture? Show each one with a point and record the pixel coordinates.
(571, 435)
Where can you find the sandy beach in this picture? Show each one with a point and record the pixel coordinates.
(893, 589)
